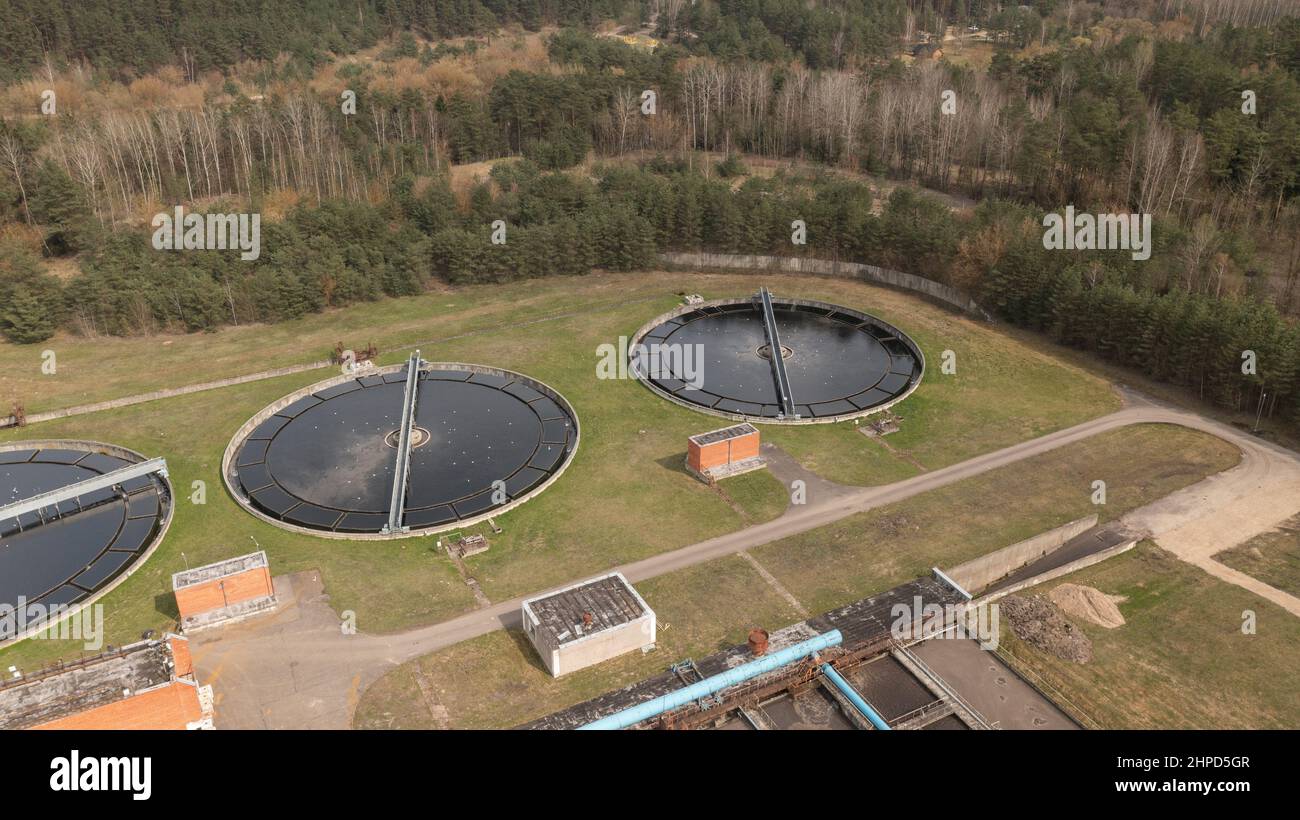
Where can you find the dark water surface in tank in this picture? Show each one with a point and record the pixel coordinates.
(327, 461)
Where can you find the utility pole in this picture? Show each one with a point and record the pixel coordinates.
(1260, 412)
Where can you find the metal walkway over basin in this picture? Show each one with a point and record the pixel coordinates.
(44, 501)
(783, 391)
(397, 505)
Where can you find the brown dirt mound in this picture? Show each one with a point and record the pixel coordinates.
(1038, 622)
(1088, 603)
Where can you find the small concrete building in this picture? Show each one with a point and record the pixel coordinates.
(146, 685)
(588, 622)
(228, 590)
(726, 452)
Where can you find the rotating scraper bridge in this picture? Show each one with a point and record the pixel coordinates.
(397, 502)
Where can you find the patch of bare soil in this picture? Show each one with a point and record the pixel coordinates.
(1088, 603)
(1038, 622)
(895, 524)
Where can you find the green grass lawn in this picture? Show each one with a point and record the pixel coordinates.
(758, 495)
(1271, 557)
(1001, 393)
(91, 370)
(626, 495)
(878, 549)
(1181, 660)
(497, 679)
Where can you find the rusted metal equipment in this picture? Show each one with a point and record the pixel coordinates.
(339, 353)
(798, 678)
(689, 674)
(758, 641)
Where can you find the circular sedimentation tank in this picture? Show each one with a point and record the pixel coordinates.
(325, 459)
(71, 551)
(716, 357)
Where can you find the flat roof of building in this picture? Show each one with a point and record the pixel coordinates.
(221, 569)
(79, 686)
(610, 601)
(715, 436)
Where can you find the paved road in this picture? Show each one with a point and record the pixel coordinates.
(1228, 509)
(296, 669)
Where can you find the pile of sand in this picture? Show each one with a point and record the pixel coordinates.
(1038, 622)
(1089, 603)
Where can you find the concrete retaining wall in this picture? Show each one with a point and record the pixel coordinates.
(977, 574)
(141, 398)
(828, 267)
(1064, 569)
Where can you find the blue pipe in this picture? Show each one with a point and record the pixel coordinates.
(857, 700)
(665, 703)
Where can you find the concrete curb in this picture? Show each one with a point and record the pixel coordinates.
(171, 392)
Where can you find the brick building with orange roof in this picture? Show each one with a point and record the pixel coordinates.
(145, 685)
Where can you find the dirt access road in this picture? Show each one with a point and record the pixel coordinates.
(296, 669)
